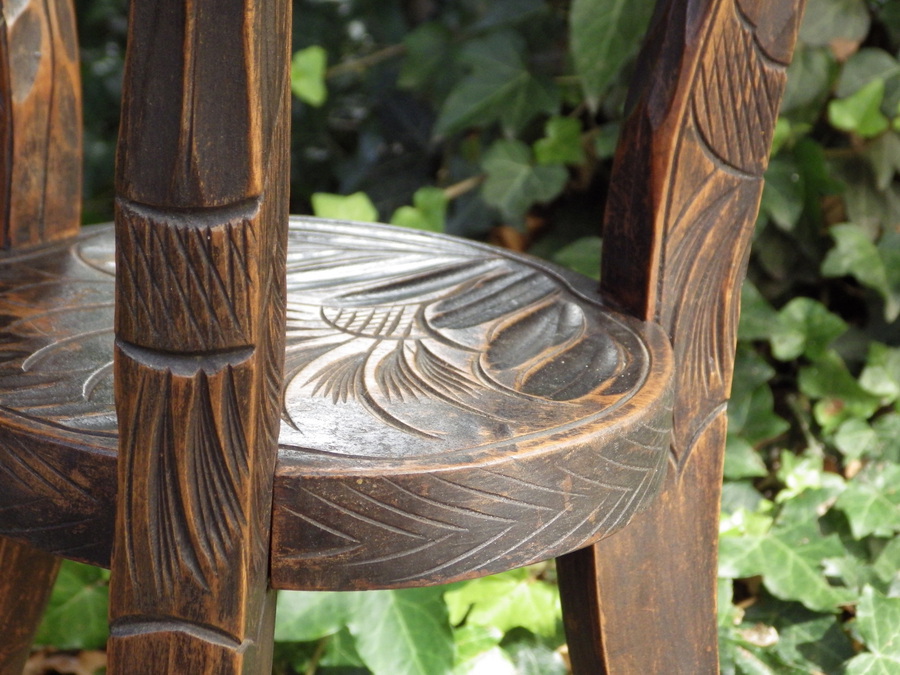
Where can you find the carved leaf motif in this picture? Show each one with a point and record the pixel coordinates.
(402, 330)
(724, 139)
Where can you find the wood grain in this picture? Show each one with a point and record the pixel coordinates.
(683, 202)
(40, 128)
(201, 221)
(506, 413)
(25, 587)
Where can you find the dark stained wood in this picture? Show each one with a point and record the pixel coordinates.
(40, 122)
(25, 586)
(446, 410)
(683, 203)
(201, 220)
(409, 316)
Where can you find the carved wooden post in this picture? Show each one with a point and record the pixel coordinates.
(40, 179)
(40, 128)
(684, 199)
(201, 222)
(25, 585)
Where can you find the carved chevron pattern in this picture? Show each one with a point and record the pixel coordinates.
(204, 264)
(442, 526)
(709, 217)
(34, 478)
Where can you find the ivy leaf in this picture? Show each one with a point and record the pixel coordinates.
(883, 154)
(878, 624)
(863, 67)
(605, 34)
(809, 79)
(403, 632)
(308, 75)
(561, 143)
(513, 183)
(782, 198)
(741, 460)
(793, 566)
(871, 502)
(340, 652)
(757, 315)
(427, 49)
(532, 656)
(855, 438)
(840, 395)
(304, 616)
(855, 255)
(881, 376)
(357, 206)
(804, 327)
(607, 139)
(887, 564)
(826, 22)
(582, 255)
(76, 616)
(428, 212)
(498, 88)
(860, 112)
(506, 601)
(478, 651)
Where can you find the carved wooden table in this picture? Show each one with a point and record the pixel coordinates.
(450, 410)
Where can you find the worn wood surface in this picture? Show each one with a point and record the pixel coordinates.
(40, 125)
(201, 219)
(683, 202)
(495, 429)
(26, 581)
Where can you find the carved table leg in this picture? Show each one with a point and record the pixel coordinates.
(26, 582)
(683, 200)
(201, 228)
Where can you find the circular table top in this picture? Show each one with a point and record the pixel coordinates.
(408, 355)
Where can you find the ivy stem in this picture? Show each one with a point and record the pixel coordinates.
(317, 656)
(364, 62)
(812, 443)
(456, 190)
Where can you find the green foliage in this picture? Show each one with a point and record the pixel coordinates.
(76, 614)
(308, 75)
(605, 35)
(504, 115)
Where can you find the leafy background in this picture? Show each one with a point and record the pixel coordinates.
(497, 120)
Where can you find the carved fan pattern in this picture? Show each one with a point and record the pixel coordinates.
(419, 335)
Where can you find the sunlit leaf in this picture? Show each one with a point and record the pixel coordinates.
(404, 632)
(878, 623)
(308, 75)
(357, 206)
(428, 212)
(871, 502)
(561, 143)
(582, 255)
(804, 327)
(506, 601)
(861, 111)
(304, 616)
